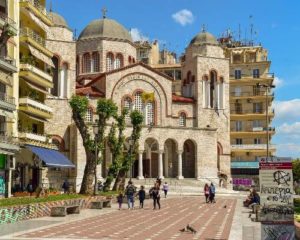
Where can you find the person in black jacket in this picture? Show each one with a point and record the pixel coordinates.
(142, 195)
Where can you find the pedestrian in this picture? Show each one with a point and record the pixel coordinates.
(158, 181)
(212, 191)
(166, 188)
(66, 186)
(142, 195)
(206, 192)
(120, 200)
(129, 192)
(156, 196)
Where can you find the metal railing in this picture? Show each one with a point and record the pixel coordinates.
(8, 20)
(252, 129)
(5, 98)
(37, 5)
(35, 104)
(27, 32)
(241, 76)
(250, 94)
(8, 60)
(257, 111)
(6, 137)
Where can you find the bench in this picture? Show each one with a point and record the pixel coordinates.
(61, 211)
(101, 204)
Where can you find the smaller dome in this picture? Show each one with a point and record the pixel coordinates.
(204, 38)
(58, 20)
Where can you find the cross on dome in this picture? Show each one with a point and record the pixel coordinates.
(104, 11)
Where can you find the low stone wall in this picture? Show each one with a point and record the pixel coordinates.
(18, 213)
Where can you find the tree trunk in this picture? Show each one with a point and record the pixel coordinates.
(89, 174)
(109, 179)
(120, 181)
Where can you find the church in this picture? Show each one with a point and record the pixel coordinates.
(184, 135)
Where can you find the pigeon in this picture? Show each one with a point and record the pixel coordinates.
(182, 230)
(191, 229)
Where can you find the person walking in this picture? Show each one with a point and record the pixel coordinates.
(156, 196)
(129, 192)
(142, 195)
(206, 192)
(66, 186)
(166, 188)
(120, 200)
(212, 191)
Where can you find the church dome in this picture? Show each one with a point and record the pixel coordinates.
(204, 38)
(58, 20)
(105, 28)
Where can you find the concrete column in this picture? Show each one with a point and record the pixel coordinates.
(179, 153)
(140, 176)
(148, 156)
(160, 164)
(166, 163)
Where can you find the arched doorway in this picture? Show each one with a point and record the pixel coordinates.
(150, 162)
(170, 158)
(188, 159)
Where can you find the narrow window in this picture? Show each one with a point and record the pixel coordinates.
(149, 113)
(182, 120)
(86, 63)
(237, 74)
(119, 61)
(95, 62)
(128, 106)
(138, 102)
(89, 115)
(255, 73)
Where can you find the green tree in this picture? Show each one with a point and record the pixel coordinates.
(116, 145)
(136, 121)
(296, 169)
(105, 110)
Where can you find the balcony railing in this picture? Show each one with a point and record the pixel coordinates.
(8, 20)
(32, 136)
(265, 75)
(5, 98)
(35, 104)
(252, 129)
(252, 146)
(250, 94)
(37, 5)
(258, 111)
(37, 71)
(27, 32)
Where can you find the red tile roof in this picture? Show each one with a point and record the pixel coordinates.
(176, 98)
(89, 91)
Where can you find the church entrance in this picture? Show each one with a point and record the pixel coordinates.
(188, 159)
(170, 159)
(151, 154)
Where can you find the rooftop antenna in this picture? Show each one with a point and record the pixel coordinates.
(104, 11)
(251, 29)
(239, 32)
(203, 29)
(50, 9)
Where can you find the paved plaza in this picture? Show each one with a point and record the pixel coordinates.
(212, 221)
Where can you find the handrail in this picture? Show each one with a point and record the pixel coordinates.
(27, 32)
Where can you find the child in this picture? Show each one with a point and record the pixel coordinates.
(142, 195)
(166, 188)
(120, 200)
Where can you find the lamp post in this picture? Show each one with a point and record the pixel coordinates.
(267, 87)
(95, 130)
(130, 141)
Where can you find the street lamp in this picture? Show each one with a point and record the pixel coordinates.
(267, 87)
(95, 130)
(130, 141)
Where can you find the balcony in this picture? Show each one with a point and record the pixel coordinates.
(37, 9)
(7, 102)
(10, 24)
(250, 95)
(251, 147)
(29, 36)
(251, 131)
(8, 64)
(36, 108)
(8, 143)
(250, 114)
(32, 136)
(35, 75)
(249, 79)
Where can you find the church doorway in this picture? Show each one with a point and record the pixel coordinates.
(188, 159)
(170, 159)
(151, 161)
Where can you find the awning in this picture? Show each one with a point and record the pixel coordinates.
(245, 165)
(40, 56)
(38, 21)
(33, 117)
(33, 86)
(50, 157)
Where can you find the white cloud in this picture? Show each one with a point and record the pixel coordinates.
(137, 35)
(288, 150)
(278, 82)
(292, 130)
(183, 17)
(287, 111)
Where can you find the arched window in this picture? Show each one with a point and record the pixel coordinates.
(182, 119)
(133, 60)
(89, 115)
(109, 62)
(86, 63)
(63, 84)
(138, 102)
(119, 61)
(205, 90)
(149, 113)
(95, 62)
(221, 93)
(54, 90)
(129, 60)
(212, 92)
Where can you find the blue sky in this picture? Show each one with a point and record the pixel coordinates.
(277, 25)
